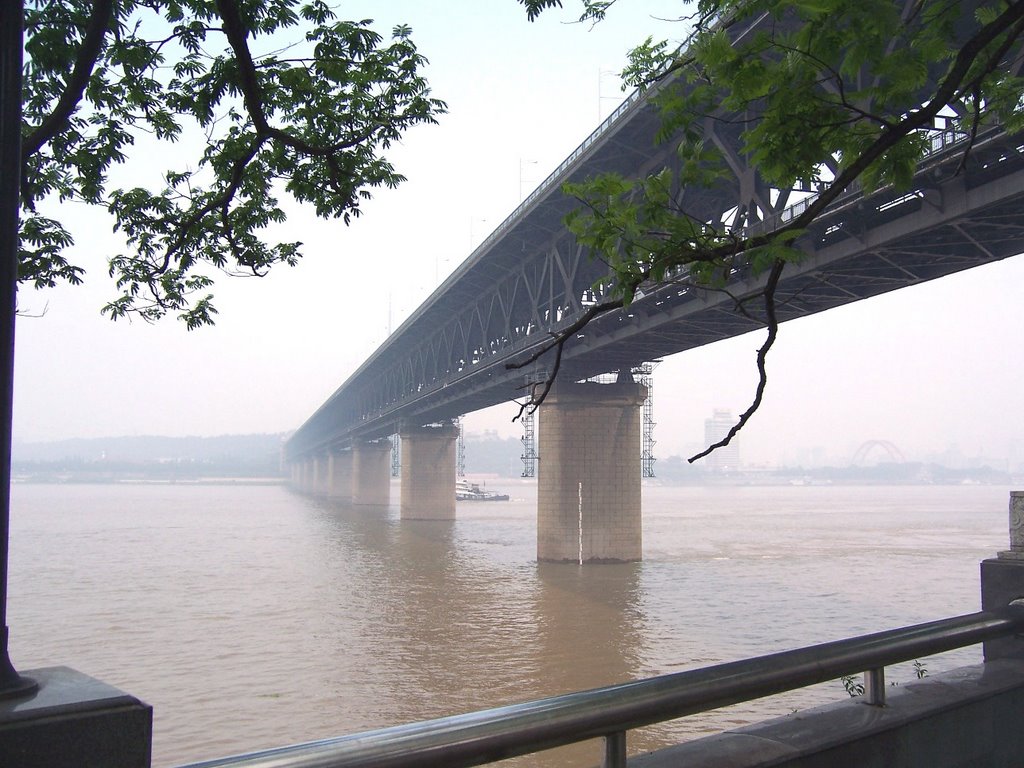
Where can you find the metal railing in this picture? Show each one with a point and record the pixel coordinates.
(495, 734)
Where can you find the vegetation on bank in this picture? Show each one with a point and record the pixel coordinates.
(150, 459)
(676, 471)
(192, 459)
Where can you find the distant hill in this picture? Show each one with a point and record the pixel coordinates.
(181, 459)
(151, 456)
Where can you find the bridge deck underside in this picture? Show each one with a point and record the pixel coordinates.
(851, 257)
(530, 278)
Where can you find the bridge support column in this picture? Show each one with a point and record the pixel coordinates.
(306, 475)
(428, 472)
(339, 475)
(1002, 582)
(588, 481)
(319, 486)
(371, 473)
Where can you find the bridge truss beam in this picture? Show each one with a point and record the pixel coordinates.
(530, 278)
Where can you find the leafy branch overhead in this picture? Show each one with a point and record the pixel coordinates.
(767, 102)
(307, 117)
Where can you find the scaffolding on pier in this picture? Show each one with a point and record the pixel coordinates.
(460, 450)
(643, 374)
(529, 439)
(396, 455)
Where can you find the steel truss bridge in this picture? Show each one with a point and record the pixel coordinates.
(530, 278)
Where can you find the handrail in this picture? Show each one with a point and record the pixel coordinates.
(495, 734)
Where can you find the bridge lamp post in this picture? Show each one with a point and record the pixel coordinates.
(522, 164)
(472, 230)
(601, 75)
(437, 266)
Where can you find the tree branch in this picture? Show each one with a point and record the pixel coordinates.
(557, 343)
(220, 201)
(951, 85)
(955, 82)
(235, 31)
(762, 354)
(88, 53)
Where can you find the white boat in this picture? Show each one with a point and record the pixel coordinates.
(467, 491)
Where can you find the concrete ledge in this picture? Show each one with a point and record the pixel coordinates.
(964, 718)
(74, 721)
(1002, 581)
(593, 394)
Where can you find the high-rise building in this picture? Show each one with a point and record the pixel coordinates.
(726, 458)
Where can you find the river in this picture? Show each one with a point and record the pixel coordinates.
(251, 616)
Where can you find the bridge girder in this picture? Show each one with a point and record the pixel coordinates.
(531, 278)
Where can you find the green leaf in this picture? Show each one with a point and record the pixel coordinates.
(326, 116)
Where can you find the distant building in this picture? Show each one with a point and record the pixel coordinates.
(726, 458)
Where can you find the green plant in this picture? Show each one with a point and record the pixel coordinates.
(287, 98)
(852, 685)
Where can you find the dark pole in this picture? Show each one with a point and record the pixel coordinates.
(11, 683)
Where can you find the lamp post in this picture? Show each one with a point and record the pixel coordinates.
(523, 163)
(473, 220)
(601, 74)
(11, 683)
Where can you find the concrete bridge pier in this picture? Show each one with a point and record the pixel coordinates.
(319, 483)
(339, 475)
(371, 472)
(305, 482)
(588, 477)
(428, 472)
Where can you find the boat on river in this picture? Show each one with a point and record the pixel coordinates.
(467, 491)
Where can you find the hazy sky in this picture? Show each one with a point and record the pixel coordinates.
(926, 368)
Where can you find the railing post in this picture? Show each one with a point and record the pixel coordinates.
(1002, 582)
(615, 750)
(874, 687)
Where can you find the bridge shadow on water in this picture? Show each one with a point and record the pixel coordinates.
(455, 629)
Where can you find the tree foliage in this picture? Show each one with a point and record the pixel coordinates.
(824, 94)
(278, 112)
